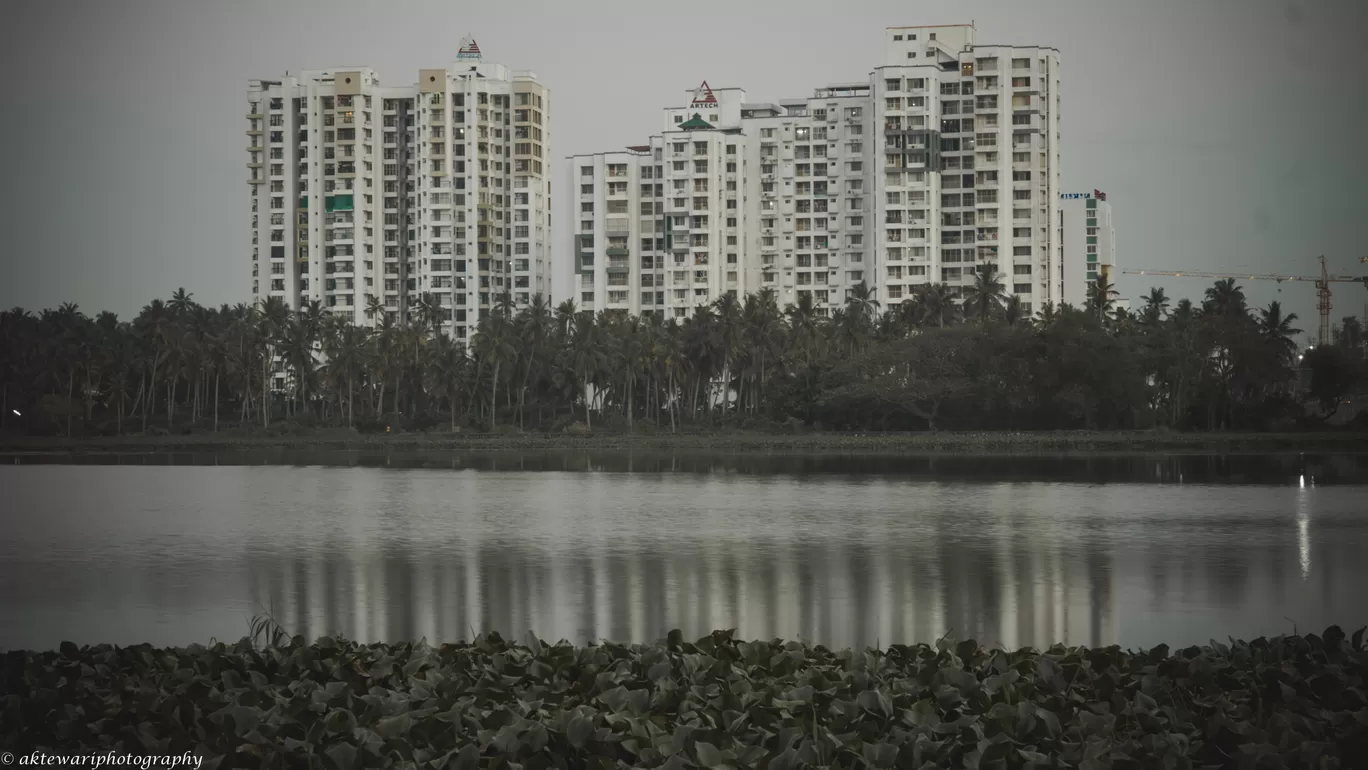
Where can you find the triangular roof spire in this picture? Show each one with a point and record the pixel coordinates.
(703, 95)
(469, 48)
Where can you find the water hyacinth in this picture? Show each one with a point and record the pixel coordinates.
(1290, 701)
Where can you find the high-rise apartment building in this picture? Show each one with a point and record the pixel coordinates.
(370, 198)
(968, 141)
(945, 158)
(1087, 242)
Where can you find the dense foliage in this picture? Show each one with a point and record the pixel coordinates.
(932, 362)
(1294, 701)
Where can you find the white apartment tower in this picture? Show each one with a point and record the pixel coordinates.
(1087, 242)
(945, 158)
(968, 139)
(658, 228)
(366, 195)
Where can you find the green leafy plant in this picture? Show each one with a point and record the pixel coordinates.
(276, 701)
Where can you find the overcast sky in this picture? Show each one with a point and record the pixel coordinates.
(1228, 134)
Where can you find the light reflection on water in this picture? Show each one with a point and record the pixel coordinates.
(1016, 554)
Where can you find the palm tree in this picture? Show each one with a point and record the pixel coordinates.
(1213, 366)
(297, 351)
(1047, 315)
(726, 334)
(346, 347)
(181, 303)
(447, 365)
(68, 338)
(861, 300)
(984, 297)
(1101, 297)
(1277, 329)
(763, 334)
(1013, 312)
(1225, 298)
(587, 360)
(938, 304)
(154, 324)
(804, 327)
(493, 346)
(565, 318)
(1156, 305)
(672, 364)
(1349, 336)
(374, 306)
(271, 321)
(533, 328)
(17, 354)
(217, 347)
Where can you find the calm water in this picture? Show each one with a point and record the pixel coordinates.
(842, 550)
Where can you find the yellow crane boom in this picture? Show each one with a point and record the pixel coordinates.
(1322, 282)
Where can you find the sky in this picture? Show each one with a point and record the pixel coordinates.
(1227, 134)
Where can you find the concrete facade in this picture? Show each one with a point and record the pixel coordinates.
(1087, 241)
(944, 158)
(366, 195)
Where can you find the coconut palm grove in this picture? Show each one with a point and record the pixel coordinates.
(975, 362)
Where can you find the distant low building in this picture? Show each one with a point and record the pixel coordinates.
(1087, 242)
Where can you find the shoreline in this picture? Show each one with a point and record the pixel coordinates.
(716, 441)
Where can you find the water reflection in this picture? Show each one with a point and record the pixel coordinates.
(174, 555)
(1304, 530)
(841, 594)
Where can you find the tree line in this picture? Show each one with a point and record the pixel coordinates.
(936, 361)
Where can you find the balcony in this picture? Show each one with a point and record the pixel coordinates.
(616, 251)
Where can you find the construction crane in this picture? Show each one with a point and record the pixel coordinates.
(1322, 282)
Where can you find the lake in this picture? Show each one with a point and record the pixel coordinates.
(839, 550)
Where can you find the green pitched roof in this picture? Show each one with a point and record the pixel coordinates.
(696, 122)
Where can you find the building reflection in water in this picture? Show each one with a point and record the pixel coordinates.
(834, 592)
(842, 551)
